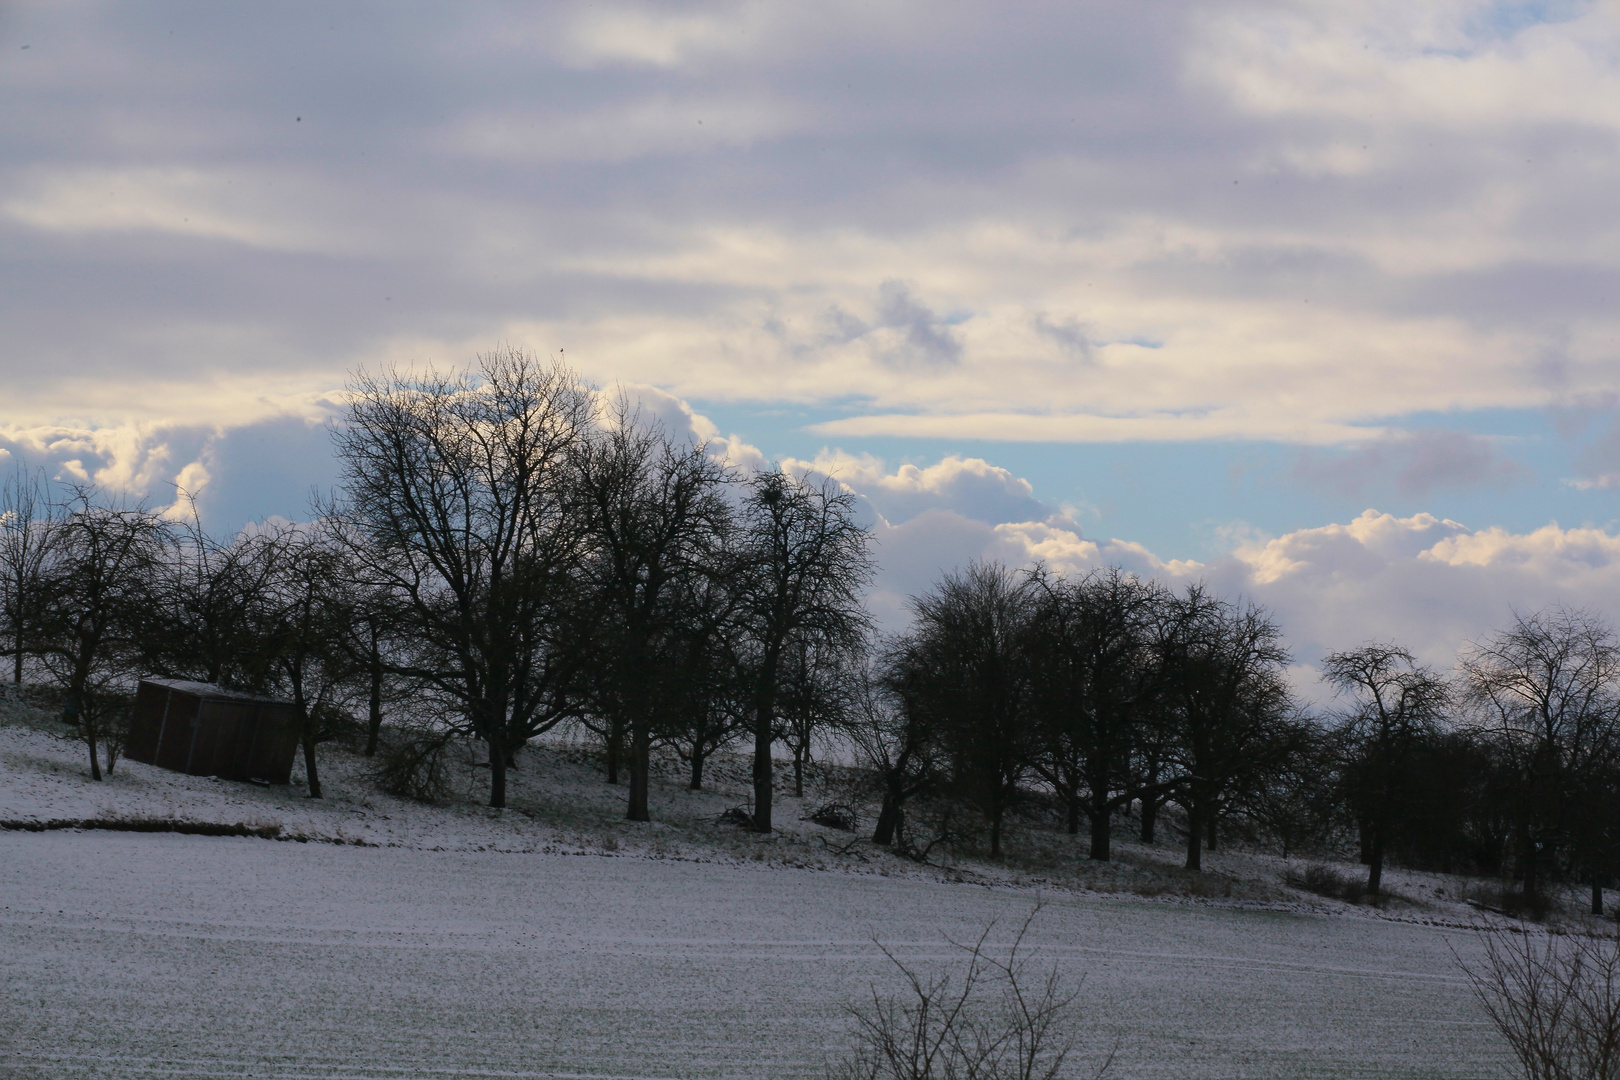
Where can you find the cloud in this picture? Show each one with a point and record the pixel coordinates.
(133, 458)
(1070, 334)
(1164, 221)
(1600, 482)
(1429, 583)
(969, 486)
(1413, 462)
(1101, 223)
(926, 339)
(1046, 427)
(236, 207)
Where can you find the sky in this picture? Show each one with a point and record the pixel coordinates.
(1316, 302)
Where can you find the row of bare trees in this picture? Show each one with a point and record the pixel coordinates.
(507, 550)
(1103, 698)
(1509, 765)
(98, 594)
(1099, 693)
(510, 550)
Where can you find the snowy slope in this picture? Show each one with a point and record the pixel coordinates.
(136, 955)
(557, 939)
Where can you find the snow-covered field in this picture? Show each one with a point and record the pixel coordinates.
(140, 955)
(556, 941)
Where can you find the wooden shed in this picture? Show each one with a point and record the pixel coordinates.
(206, 730)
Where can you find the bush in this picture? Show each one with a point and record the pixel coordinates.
(1554, 998)
(1501, 899)
(414, 765)
(835, 815)
(996, 1021)
(1326, 881)
(740, 816)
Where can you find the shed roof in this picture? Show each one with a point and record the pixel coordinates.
(210, 690)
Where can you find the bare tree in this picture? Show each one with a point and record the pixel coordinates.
(300, 623)
(1096, 680)
(26, 518)
(1544, 691)
(701, 699)
(457, 505)
(1555, 999)
(814, 700)
(1224, 665)
(1397, 705)
(656, 515)
(98, 574)
(971, 675)
(807, 564)
(994, 1020)
(204, 598)
(894, 738)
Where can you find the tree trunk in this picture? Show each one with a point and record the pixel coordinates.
(888, 818)
(614, 740)
(90, 740)
(765, 734)
(1101, 834)
(497, 772)
(762, 770)
(1375, 864)
(1150, 818)
(798, 771)
(74, 711)
(640, 767)
(374, 716)
(697, 768)
(995, 830)
(1532, 882)
(1195, 838)
(16, 670)
(1597, 898)
(309, 764)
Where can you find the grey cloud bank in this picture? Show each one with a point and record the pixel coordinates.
(1325, 208)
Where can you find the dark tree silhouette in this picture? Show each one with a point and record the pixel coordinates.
(806, 565)
(1095, 681)
(1397, 706)
(657, 517)
(27, 516)
(971, 677)
(99, 571)
(1223, 671)
(456, 504)
(1543, 692)
(894, 737)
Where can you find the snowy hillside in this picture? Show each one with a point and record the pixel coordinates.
(555, 939)
(559, 802)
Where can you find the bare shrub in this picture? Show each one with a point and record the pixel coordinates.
(928, 825)
(1555, 998)
(1180, 882)
(994, 1020)
(1503, 899)
(1326, 881)
(414, 764)
(835, 815)
(740, 816)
